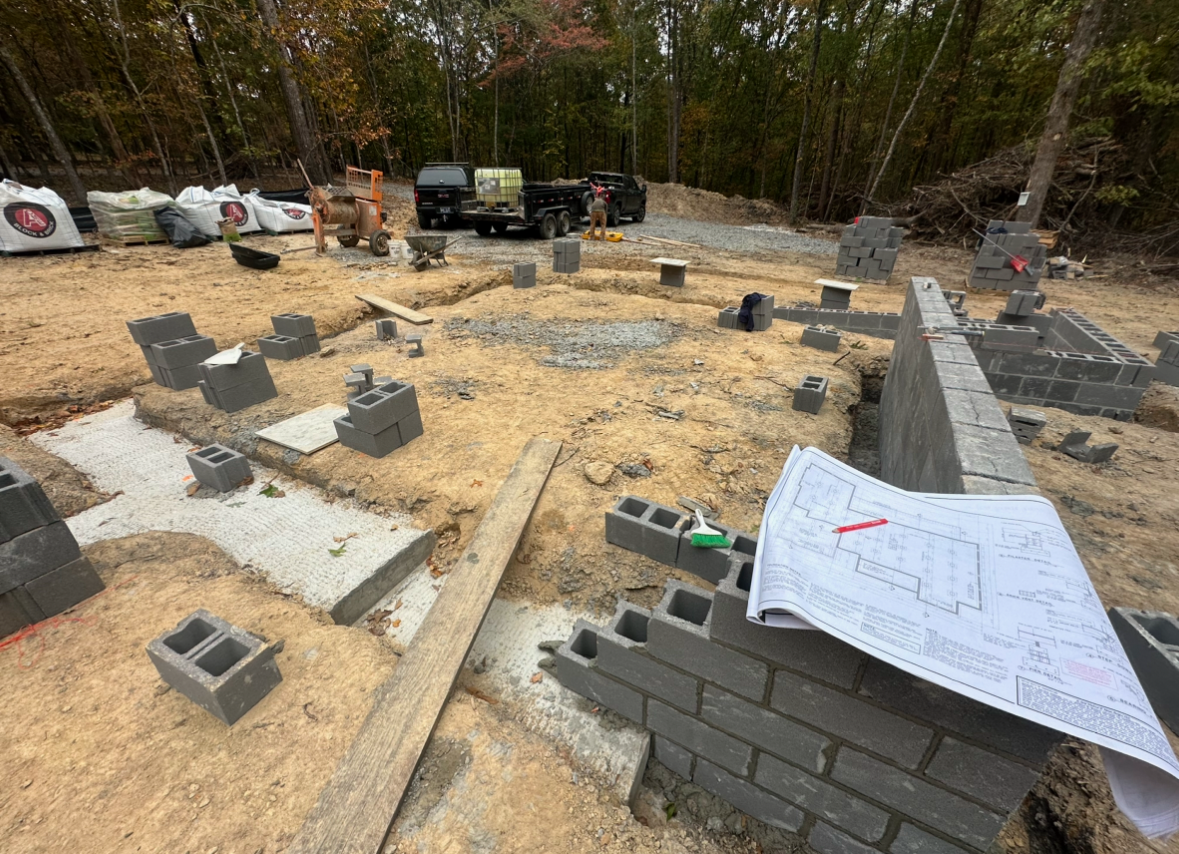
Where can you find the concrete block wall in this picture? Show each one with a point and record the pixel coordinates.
(868, 248)
(1166, 369)
(878, 324)
(992, 266)
(941, 429)
(802, 731)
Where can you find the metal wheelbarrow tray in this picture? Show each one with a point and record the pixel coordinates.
(426, 248)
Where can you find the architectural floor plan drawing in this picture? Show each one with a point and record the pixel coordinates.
(984, 595)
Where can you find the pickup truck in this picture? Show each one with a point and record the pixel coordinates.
(549, 208)
(440, 192)
(624, 197)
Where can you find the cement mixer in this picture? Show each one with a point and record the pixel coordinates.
(351, 213)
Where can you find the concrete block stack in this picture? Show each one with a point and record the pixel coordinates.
(868, 248)
(820, 338)
(382, 420)
(234, 387)
(1164, 338)
(763, 316)
(992, 268)
(42, 570)
(524, 273)
(810, 394)
(1167, 366)
(837, 297)
(281, 348)
(727, 319)
(300, 326)
(1026, 424)
(219, 467)
(802, 731)
(173, 349)
(567, 255)
(1150, 639)
(222, 668)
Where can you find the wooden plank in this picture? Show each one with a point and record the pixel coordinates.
(395, 308)
(357, 807)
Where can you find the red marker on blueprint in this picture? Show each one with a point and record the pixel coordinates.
(859, 527)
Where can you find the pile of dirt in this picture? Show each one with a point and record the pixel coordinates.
(694, 203)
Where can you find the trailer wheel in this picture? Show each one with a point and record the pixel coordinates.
(614, 215)
(348, 239)
(500, 227)
(482, 228)
(563, 223)
(379, 243)
(548, 227)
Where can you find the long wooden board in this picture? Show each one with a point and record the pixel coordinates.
(398, 309)
(357, 807)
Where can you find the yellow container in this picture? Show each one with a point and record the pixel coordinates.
(498, 188)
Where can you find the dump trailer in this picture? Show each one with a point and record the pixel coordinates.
(549, 209)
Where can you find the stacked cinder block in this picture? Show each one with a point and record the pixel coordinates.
(524, 273)
(1151, 642)
(837, 296)
(42, 570)
(1024, 303)
(1004, 337)
(727, 318)
(234, 387)
(868, 248)
(878, 324)
(282, 348)
(567, 255)
(1167, 366)
(763, 316)
(219, 467)
(1164, 338)
(802, 731)
(222, 668)
(992, 266)
(820, 338)
(1026, 424)
(300, 326)
(382, 420)
(810, 394)
(173, 349)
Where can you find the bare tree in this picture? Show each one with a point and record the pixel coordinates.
(806, 109)
(1055, 135)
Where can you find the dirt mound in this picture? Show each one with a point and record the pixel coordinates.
(694, 203)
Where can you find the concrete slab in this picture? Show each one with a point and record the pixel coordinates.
(307, 433)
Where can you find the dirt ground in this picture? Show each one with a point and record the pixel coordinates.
(648, 396)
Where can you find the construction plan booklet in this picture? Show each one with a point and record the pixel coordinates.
(983, 595)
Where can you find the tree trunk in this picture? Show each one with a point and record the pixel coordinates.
(674, 95)
(829, 158)
(1055, 134)
(292, 98)
(896, 86)
(806, 110)
(59, 149)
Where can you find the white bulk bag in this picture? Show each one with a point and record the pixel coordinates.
(202, 209)
(280, 217)
(232, 205)
(34, 220)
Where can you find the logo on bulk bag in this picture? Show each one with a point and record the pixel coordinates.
(30, 219)
(235, 211)
(294, 213)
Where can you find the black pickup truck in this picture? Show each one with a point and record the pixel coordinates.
(549, 208)
(624, 197)
(440, 192)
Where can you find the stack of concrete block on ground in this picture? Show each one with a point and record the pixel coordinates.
(222, 668)
(219, 467)
(294, 336)
(382, 420)
(234, 387)
(173, 349)
(1164, 338)
(836, 295)
(42, 570)
(1167, 366)
(993, 269)
(762, 314)
(878, 324)
(868, 248)
(524, 273)
(567, 255)
(820, 338)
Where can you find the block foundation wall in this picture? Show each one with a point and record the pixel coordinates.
(796, 728)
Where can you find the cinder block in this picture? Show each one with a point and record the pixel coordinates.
(161, 327)
(386, 329)
(767, 730)
(820, 339)
(673, 756)
(222, 668)
(208, 394)
(23, 503)
(913, 840)
(293, 325)
(810, 394)
(251, 367)
(678, 635)
(1164, 338)
(179, 379)
(913, 796)
(746, 797)
(576, 670)
(711, 564)
(14, 615)
(622, 654)
(1104, 394)
(36, 553)
(383, 407)
(699, 738)
(182, 352)
(376, 445)
(219, 467)
(310, 344)
(986, 776)
(819, 797)
(825, 839)
(1026, 424)
(1151, 642)
(282, 348)
(410, 427)
(727, 318)
(645, 527)
(672, 276)
(242, 396)
(524, 275)
(65, 587)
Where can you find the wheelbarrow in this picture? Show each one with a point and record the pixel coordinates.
(427, 248)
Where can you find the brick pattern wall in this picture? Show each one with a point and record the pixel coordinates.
(868, 249)
(878, 324)
(992, 266)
